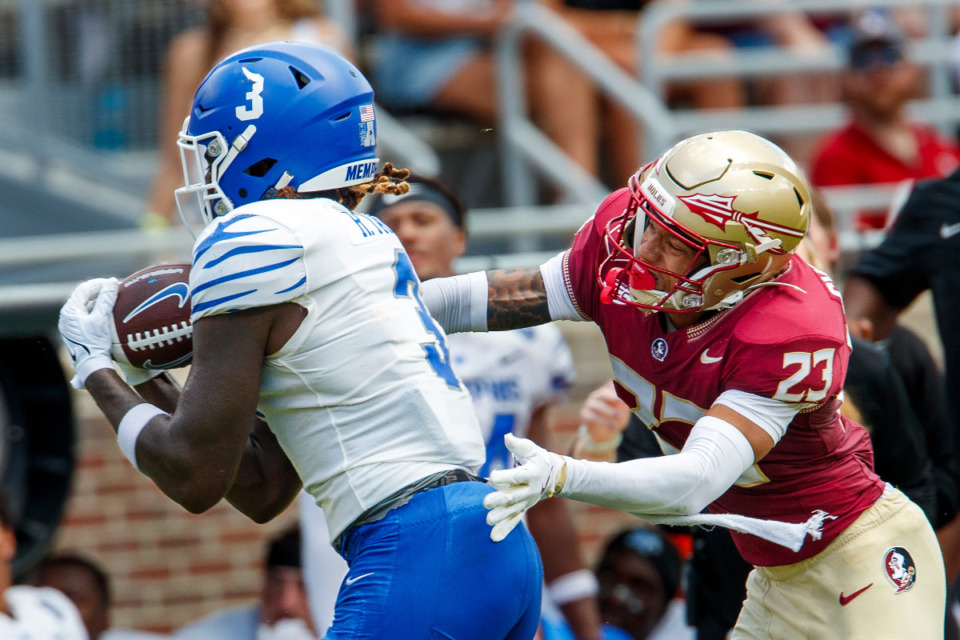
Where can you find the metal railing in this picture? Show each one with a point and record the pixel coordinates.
(517, 233)
(71, 97)
(658, 69)
(523, 145)
(482, 225)
(526, 150)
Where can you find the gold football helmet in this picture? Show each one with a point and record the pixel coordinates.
(736, 198)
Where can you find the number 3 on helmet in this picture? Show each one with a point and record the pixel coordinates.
(275, 115)
(737, 199)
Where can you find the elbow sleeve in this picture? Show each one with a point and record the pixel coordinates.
(458, 303)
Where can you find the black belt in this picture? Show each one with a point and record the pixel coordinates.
(403, 496)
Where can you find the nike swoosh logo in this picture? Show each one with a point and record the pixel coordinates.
(169, 365)
(845, 600)
(179, 289)
(949, 230)
(74, 342)
(350, 581)
(705, 358)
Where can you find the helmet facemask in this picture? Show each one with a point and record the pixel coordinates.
(635, 278)
(205, 159)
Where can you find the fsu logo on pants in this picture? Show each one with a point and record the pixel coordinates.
(900, 569)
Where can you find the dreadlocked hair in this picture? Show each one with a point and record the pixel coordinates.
(389, 180)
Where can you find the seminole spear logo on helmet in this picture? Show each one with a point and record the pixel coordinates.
(718, 210)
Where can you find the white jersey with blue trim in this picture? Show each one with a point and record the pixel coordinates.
(509, 375)
(40, 613)
(362, 397)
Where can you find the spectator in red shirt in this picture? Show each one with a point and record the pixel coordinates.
(880, 144)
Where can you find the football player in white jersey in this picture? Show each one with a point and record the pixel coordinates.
(31, 613)
(315, 363)
(513, 378)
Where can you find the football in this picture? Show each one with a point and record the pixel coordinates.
(151, 318)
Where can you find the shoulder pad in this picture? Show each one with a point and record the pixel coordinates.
(244, 261)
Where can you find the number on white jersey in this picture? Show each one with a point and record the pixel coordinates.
(498, 456)
(437, 354)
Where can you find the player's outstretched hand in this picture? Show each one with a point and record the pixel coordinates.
(84, 325)
(539, 474)
(605, 416)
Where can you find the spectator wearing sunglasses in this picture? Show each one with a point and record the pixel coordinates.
(880, 144)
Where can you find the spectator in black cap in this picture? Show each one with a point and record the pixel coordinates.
(282, 612)
(880, 144)
(639, 575)
(430, 222)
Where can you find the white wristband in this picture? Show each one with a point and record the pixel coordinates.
(573, 586)
(132, 423)
(90, 365)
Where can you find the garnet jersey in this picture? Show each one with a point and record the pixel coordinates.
(362, 397)
(786, 340)
(510, 374)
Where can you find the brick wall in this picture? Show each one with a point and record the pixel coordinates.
(169, 567)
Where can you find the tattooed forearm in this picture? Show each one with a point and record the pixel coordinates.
(516, 298)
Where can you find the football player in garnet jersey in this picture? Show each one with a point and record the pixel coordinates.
(733, 351)
(314, 360)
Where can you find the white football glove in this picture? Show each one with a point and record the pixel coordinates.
(539, 474)
(84, 325)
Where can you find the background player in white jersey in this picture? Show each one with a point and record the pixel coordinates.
(31, 613)
(309, 315)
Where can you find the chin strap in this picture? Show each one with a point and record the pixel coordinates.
(764, 242)
(729, 301)
(239, 144)
(283, 181)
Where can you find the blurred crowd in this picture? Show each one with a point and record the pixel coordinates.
(437, 58)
